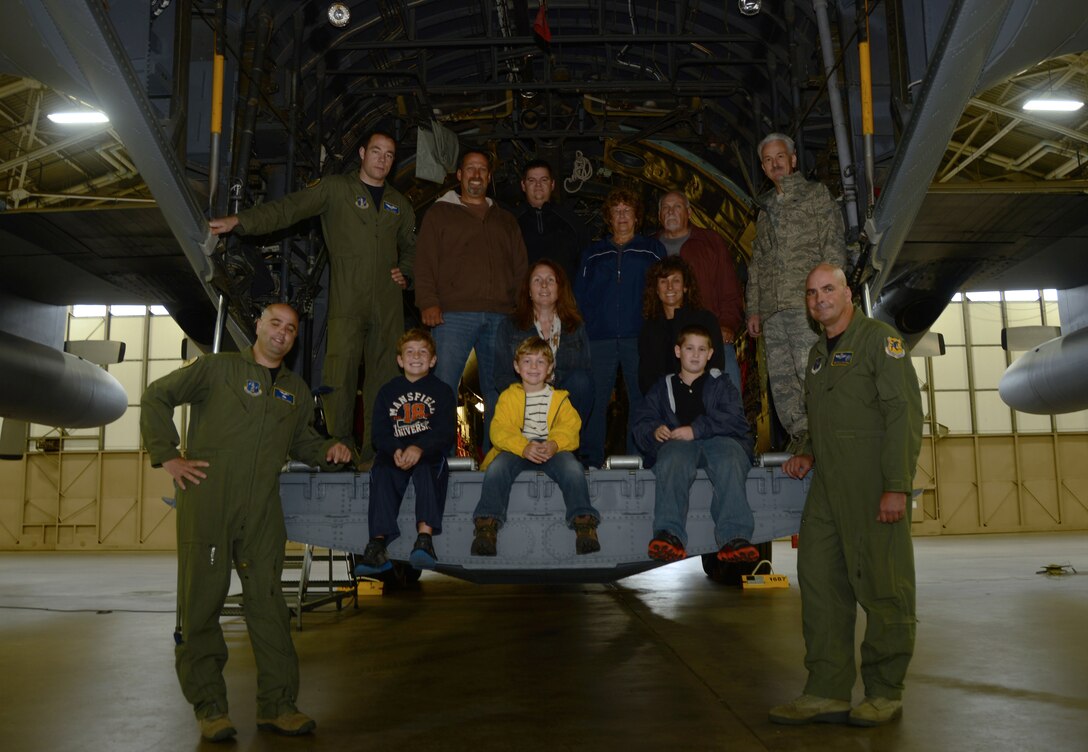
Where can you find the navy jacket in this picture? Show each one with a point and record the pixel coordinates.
(609, 285)
(723, 416)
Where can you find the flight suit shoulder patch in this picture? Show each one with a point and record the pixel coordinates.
(817, 364)
(283, 394)
(391, 208)
(893, 347)
(361, 202)
(253, 388)
(842, 358)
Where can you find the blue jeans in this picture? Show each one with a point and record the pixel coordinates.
(459, 334)
(580, 385)
(732, 370)
(606, 356)
(563, 468)
(727, 465)
(387, 486)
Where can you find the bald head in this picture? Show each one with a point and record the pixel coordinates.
(277, 329)
(829, 299)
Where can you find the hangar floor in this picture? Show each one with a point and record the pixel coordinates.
(663, 660)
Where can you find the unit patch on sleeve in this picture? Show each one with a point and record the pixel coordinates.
(893, 346)
(361, 202)
(391, 208)
(283, 395)
(253, 388)
(842, 358)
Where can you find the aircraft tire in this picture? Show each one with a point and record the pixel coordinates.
(729, 574)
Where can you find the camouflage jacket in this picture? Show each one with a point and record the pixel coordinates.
(794, 232)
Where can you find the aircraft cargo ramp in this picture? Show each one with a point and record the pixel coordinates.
(535, 545)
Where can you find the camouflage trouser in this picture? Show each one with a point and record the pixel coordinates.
(787, 339)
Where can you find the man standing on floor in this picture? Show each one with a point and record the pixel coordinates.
(369, 228)
(712, 263)
(248, 414)
(470, 266)
(865, 430)
(798, 227)
(550, 230)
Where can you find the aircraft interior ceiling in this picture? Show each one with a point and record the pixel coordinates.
(957, 186)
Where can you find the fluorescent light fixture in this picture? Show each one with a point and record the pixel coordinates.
(78, 117)
(1053, 105)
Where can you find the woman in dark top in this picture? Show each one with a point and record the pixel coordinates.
(670, 301)
(545, 308)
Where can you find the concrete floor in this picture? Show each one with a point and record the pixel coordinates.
(664, 660)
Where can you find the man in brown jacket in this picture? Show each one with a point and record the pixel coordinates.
(470, 261)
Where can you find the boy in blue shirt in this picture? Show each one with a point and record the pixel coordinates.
(694, 419)
(413, 429)
(535, 427)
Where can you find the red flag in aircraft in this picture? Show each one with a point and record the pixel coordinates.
(540, 25)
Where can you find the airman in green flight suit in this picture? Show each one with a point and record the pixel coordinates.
(865, 429)
(369, 228)
(248, 414)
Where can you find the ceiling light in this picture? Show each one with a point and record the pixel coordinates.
(339, 15)
(1053, 105)
(78, 117)
(749, 7)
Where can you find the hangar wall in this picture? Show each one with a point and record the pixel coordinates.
(983, 467)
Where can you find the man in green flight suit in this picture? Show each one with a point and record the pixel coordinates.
(865, 430)
(370, 231)
(248, 414)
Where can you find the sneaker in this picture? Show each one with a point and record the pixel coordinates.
(374, 560)
(738, 550)
(485, 541)
(585, 530)
(875, 711)
(811, 709)
(422, 556)
(217, 728)
(288, 723)
(666, 547)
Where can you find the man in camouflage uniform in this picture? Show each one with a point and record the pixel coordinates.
(798, 227)
(248, 414)
(369, 228)
(865, 430)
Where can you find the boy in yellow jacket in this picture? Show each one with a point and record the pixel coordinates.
(535, 425)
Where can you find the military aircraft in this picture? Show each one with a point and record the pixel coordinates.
(911, 112)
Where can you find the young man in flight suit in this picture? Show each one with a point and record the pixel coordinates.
(369, 228)
(865, 430)
(248, 414)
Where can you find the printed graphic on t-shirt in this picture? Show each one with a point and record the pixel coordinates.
(411, 414)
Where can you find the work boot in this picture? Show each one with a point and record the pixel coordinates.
(585, 531)
(811, 709)
(288, 723)
(875, 711)
(738, 550)
(422, 556)
(374, 560)
(485, 541)
(217, 728)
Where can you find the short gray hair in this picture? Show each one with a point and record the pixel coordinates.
(772, 137)
(687, 204)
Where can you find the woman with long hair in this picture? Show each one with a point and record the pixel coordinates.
(545, 308)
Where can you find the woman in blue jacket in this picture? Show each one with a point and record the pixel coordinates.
(609, 292)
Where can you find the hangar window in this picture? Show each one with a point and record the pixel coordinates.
(962, 384)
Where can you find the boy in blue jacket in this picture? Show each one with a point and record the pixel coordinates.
(690, 420)
(413, 430)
